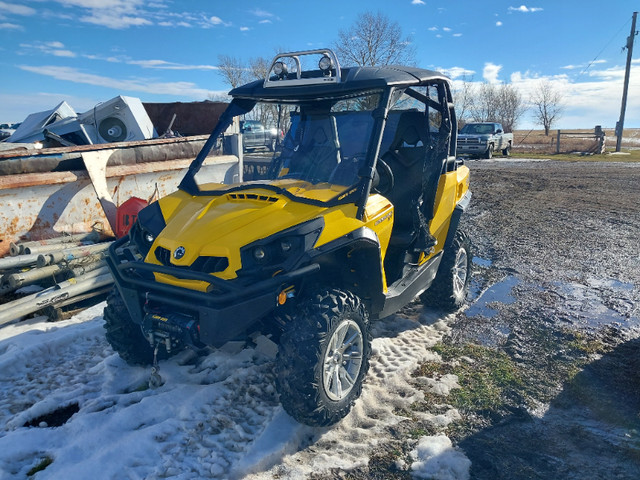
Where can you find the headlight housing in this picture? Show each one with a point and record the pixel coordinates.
(282, 251)
(148, 226)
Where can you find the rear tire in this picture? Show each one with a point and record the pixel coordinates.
(506, 151)
(126, 337)
(451, 285)
(323, 358)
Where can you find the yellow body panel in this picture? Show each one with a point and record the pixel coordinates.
(451, 188)
(221, 225)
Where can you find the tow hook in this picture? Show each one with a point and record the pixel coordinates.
(155, 380)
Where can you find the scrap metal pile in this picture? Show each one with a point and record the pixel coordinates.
(50, 275)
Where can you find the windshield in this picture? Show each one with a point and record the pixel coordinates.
(326, 142)
(319, 146)
(477, 128)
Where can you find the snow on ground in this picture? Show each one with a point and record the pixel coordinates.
(216, 416)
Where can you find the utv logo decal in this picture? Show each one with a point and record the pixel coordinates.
(386, 217)
(178, 253)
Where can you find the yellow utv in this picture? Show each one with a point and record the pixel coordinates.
(359, 216)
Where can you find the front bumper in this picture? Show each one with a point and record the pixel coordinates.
(472, 148)
(221, 314)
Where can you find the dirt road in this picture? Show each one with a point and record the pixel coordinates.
(556, 291)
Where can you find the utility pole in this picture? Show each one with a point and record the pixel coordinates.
(629, 47)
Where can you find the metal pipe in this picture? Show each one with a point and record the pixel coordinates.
(55, 247)
(103, 270)
(19, 248)
(34, 275)
(10, 263)
(63, 291)
(51, 258)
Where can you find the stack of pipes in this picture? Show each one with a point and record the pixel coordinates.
(66, 269)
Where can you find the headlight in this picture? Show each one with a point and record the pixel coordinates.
(325, 64)
(148, 226)
(280, 69)
(282, 251)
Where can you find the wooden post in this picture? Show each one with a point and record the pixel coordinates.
(625, 89)
(558, 143)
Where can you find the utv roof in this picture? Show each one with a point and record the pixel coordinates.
(331, 82)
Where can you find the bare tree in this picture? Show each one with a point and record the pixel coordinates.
(233, 70)
(497, 103)
(374, 40)
(463, 98)
(484, 104)
(510, 106)
(548, 104)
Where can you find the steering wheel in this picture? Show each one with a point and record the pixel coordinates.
(385, 178)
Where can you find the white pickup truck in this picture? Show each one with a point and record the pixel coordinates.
(483, 139)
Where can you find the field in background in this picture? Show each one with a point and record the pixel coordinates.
(536, 142)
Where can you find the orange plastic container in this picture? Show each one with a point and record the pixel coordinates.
(126, 215)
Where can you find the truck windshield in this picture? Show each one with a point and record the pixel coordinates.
(477, 129)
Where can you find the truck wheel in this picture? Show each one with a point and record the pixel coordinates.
(451, 285)
(506, 151)
(272, 145)
(489, 153)
(126, 337)
(323, 358)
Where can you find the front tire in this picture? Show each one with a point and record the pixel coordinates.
(451, 285)
(125, 336)
(489, 153)
(323, 358)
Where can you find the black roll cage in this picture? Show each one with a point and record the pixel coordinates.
(357, 193)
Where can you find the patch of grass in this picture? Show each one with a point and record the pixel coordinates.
(488, 377)
(581, 343)
(44, 463)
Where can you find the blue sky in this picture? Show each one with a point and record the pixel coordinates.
(88, 51)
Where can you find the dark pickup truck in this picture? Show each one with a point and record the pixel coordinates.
(255, 135)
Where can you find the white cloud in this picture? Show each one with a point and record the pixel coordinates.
(258, 12)
(244, 29)
(490, 72)
(595, 101)
(49, 48)
(10, 26)
(446, 29)
(417, 2)
(16, 9)
(68, 74)
(456, 72)
(498, 23)
(525, 9)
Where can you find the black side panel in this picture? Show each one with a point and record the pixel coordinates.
(407, 288)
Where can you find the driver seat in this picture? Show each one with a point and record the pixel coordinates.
(405, 157)
(319, 153)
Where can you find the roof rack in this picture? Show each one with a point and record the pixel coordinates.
(328, 69)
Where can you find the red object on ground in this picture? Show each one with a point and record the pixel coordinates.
(126, 215)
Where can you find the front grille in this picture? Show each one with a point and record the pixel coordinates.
(204, 264)
(465, 141)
